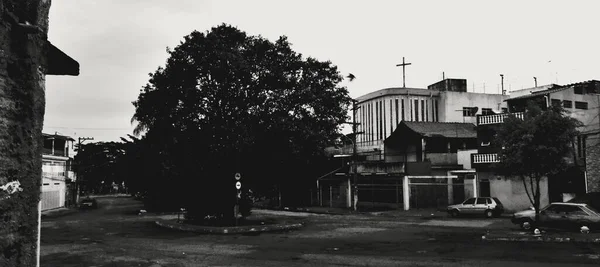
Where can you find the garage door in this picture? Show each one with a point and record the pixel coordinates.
(50, 200)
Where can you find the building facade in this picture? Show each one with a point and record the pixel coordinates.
(580, 100)
(413, 146)
(58, 179)
(380, 112)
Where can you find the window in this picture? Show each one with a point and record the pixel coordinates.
(416, 108)
(402, 109)
(383, 123)
(392, 118)
(581, 105)
(572, 210)
(397, 117)
(56, 183)
(504, 110)
(410, 109)
(470, 201)
(46, 184)
(486, 111)
(469, 111)
(567, 104)
(489, 201)
(481, 201)
(556, 102)
(423, 110)
(381, 118)
(437, 118)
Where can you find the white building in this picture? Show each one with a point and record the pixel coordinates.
(57, 177)
(380, 112)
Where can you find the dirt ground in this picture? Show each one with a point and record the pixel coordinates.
(114, 235)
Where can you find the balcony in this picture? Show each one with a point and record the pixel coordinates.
(485, 158)
(55, 175)
(496, 118)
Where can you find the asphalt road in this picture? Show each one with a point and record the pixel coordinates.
(114, 235)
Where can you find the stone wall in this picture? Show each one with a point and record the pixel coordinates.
(23, 35)
(592, 163)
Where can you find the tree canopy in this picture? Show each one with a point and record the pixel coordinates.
(230, 102)
(536, 146)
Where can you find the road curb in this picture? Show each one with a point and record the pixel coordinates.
(540, 239)
(58, 213)
(173, 224)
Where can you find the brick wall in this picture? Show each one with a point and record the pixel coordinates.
(592, 163)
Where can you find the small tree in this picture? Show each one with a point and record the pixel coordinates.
(535, 147)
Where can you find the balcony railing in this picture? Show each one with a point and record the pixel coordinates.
(496, 118)
(54, 174)
(485, 158)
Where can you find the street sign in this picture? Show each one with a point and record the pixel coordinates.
(238, 176)
(238, 185)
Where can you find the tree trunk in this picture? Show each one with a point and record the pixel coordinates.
(22, 94)
(537, 199)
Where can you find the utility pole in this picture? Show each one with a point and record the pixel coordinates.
(80, 141)
(502, 84)
(535, 81)
(354, 155)
(403, 65)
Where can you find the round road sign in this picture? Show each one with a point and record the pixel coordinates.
(237, 176)
(238, 185)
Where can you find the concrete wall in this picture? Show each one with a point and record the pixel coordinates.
(442, 158)
(588, 117)
(452, 104)
(22, 94)
(512, 193)
(464, 158)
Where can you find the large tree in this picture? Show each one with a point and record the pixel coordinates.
(536, 147)
(100, 164)
(229, 102)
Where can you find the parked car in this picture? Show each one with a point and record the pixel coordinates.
(560, 215)
(488, 206)
(592, 199)
(88, 203)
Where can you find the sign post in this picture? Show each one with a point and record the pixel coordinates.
(238, 196)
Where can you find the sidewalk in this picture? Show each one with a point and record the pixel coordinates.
(53, 213)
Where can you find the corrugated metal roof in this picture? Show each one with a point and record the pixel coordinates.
(443, 129)
(554, 89)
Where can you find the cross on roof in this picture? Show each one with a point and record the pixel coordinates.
(403, 74)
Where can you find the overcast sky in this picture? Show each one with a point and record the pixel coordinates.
(118, 42)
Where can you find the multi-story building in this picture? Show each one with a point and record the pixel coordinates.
(58, 180)
(581, 101)
(413, 146)
(379, 113)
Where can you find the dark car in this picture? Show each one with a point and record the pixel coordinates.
(560, 215)
(88, 203)
(592, 199)
(488, 206)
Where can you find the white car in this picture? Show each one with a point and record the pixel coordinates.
(488, 206)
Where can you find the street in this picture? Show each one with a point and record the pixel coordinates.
(115, 235)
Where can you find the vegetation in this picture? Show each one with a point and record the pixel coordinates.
(536, 147)
(228, 102)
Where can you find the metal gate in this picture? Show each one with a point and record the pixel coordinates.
(377, 191)
(437, 192)
(50, 200)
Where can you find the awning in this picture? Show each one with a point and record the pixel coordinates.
(59, 63)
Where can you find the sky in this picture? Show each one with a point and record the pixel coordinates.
(119, 42)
